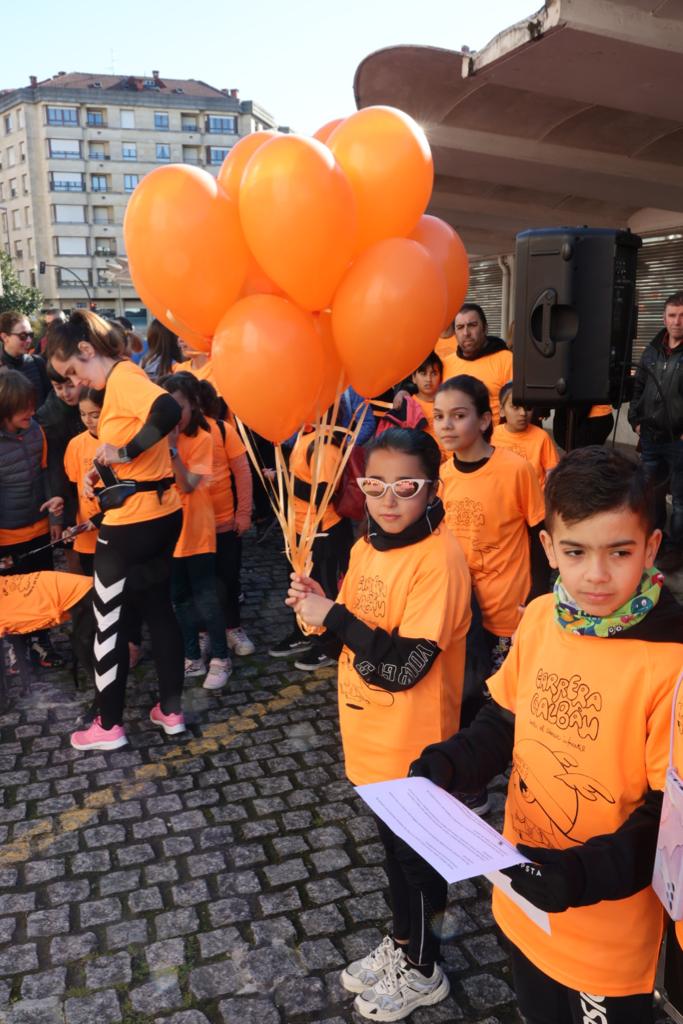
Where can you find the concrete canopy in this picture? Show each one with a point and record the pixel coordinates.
(573, 116)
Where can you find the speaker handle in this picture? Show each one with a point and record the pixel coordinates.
(545, 302)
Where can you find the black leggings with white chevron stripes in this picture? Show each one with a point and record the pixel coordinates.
(133, 580)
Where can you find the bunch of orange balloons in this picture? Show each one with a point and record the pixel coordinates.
(308, 264)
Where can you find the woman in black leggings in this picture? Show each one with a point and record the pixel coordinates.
(137, 538)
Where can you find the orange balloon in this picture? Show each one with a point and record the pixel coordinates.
(387, 159)
(185, 245)
(232, 168)
(323, 134)
(445, 246)
(268, 362)
(334, 378)
(165, 316)
(299, 218)
(257, 281)
(386, 314)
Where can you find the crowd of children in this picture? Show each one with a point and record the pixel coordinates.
(469, 620)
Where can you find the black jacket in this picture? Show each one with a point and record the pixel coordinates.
(60, 422)
(658, 369)
(33, 368)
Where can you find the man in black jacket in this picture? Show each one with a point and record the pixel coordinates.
(656, 413)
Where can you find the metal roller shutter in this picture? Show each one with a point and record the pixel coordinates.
(486, 287)
(660, 274)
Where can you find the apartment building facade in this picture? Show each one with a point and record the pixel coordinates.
(72, 150)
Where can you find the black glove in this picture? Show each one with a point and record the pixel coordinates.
(435, 766)
(552, 882)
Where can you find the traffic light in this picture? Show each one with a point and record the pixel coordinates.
(41, 267)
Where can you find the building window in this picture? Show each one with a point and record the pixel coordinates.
(71, 246)
(130, 181)
(161, 120)
(64, 149)
(27, 216)
(22, 153)
(2, 191)
(24, 184)
(191, 155)
(98, 151)
(216, 154)
(128, 119)
(105, 247)
(96, 118)
(103, 278)
(222, 125)
(103, 215)
(8, 124)
(99, 183)
(66, 182)
(63, 214)
(163, 151)
(29, 247)
(20, 117)
(11, 156)
(66, 279)
(16, 219)
(188, 123)
(13, 188)
(62, 115)
(18, 250)
(129, 150)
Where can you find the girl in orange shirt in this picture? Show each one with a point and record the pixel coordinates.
(78, 460)
(399, 626)
(518, 434)
(194, 559)
(137, 536)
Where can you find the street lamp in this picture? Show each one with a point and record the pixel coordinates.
(41, 270)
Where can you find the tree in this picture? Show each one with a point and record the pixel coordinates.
(14, 294)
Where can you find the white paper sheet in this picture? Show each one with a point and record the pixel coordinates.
(539, 917)
(452, 838)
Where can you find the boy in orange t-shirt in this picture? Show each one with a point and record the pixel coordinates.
(78, 460)
(581, 707)
(427, 379)
(518, 434)
(194, 560)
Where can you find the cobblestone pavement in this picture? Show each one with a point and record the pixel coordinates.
(223, 878)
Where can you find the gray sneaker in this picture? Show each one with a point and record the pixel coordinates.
(363, 974)
(400, 990)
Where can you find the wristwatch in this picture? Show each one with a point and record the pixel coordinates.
(123, 456)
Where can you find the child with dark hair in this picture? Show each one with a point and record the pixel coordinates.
(494, 507)
(78, 460)
(427, 380)
(24, 503)
(518, 434)
(194, 559)
(398, 625)
(581, 708)
(231, 493)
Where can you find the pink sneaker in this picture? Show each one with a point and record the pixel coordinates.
(97, 738)
(171, 724)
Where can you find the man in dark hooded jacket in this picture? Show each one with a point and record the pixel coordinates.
(479, 354)
(656, 414)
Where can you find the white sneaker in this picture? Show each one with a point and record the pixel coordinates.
(400, 990)
(194, 667)
(239, 642)
(205, 647)
(363, 974)
(219, 672)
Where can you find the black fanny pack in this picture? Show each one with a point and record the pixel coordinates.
(116, 492)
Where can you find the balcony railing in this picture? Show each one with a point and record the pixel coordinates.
(99, 251)
(67, 186)
(64, 154)
(101, 188)
(189, 127)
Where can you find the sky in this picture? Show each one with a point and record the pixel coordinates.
(296, 58)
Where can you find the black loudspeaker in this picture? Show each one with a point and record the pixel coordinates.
(575, 315)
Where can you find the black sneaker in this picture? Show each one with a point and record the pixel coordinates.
(316, 659)
(477, 802)
(294, 643)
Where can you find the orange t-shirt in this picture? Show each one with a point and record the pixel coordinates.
(204, 372)
(423, 591)
(303, 471)
(128, 397)
(78, 457)
(445, 347)
(591, 736)
(493, 370)
(198, 535)
(677, 711)
(489, 511)
(22, 534)
(220, 487)
(599, 410)
(38, 600)
(532, 444)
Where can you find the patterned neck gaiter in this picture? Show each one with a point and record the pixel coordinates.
(571, 617)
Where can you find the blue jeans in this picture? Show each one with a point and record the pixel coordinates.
(193, 589)
(663, 461)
